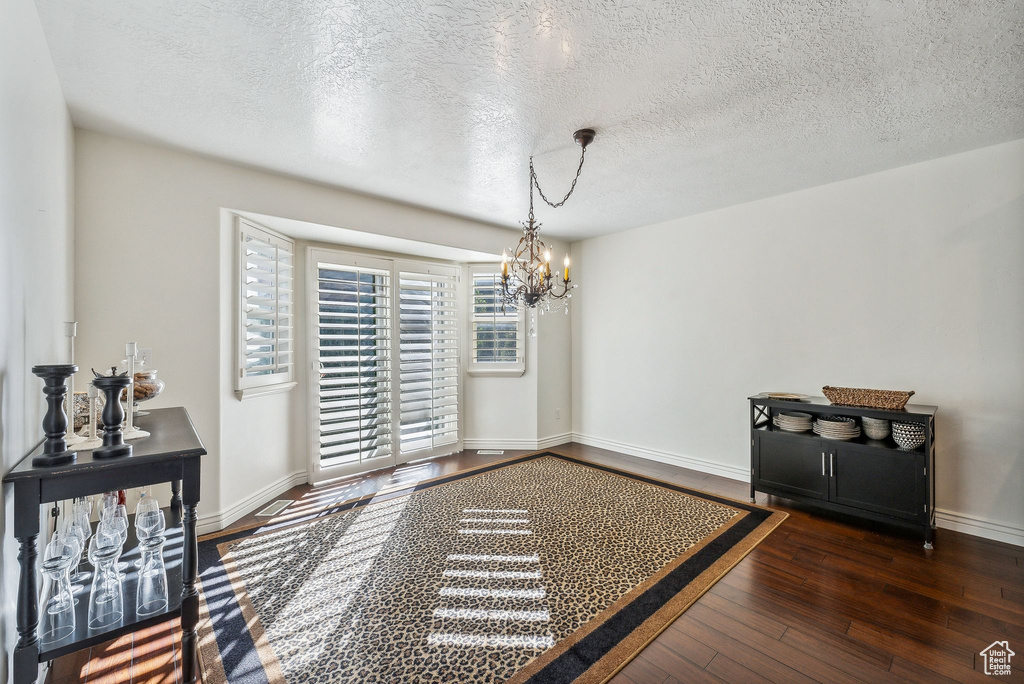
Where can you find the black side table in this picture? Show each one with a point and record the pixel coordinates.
(170, 454)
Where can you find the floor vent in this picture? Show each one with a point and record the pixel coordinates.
(490, 452)
(274, 508)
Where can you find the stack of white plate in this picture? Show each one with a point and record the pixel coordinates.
(792, 421)
(836, 427)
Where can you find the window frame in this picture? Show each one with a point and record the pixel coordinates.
(261, 385)
(394, 264)
(487, 368)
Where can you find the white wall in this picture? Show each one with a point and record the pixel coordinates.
(173, 290)
(35, 257)
(545, 388)
(554, 376)
(908, 279)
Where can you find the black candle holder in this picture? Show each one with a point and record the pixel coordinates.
(55, 422)
(113, 439)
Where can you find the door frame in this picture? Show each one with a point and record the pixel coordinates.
(393, 264)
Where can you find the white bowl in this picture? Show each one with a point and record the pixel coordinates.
(875, 428)
(908, 435)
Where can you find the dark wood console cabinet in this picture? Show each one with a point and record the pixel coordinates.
(172, 454)
(872, 479)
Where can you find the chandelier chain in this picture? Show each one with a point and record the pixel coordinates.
(535, 182)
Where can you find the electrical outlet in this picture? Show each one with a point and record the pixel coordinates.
(145, 357)
(558, 414)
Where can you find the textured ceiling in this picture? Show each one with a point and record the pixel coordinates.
(698, 105)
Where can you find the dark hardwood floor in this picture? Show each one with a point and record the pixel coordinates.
(822, 599)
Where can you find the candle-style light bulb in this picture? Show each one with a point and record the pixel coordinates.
(547, 256)
(566, 262)
(504, 264)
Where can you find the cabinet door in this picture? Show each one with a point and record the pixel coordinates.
(879, 480)
(791, 464)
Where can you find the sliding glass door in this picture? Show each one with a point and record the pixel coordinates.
(385, 365)
(428, 360)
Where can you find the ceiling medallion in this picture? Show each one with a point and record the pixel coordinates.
(526, 278)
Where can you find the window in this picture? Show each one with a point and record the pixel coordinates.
(265, 335)
(353, 329)
(384, 334)
(496, 337)
(428, 358)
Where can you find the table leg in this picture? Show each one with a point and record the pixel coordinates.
(26, 531)
(189, 574)
(26, 653)
(189, 597)
(176, 495)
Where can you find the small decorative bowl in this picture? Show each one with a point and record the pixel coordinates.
(875, 428)
(908, 435)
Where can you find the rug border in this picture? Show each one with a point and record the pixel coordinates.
(612, 661)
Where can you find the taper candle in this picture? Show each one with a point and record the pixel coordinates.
(70, 330)
(93, 400)
(130, 350)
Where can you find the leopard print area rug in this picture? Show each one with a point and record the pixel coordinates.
(541, 568)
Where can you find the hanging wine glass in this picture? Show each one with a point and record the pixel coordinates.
(106, 600)
(58, 619)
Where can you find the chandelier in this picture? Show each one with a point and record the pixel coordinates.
(526, 276)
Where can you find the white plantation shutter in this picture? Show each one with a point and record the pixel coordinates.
(353, 325)
(496, 334)
(428, 357)
(266, 285)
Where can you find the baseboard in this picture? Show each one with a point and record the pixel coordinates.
(554, 440)
(525, 444)
(215, 522)
(711, 467)
(979, 527)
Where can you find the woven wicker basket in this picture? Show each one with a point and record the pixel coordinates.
(869, 398)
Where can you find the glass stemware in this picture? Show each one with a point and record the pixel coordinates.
(151, 594)
(81, 512)
(147, 503)
(109, 500)
(58, 619)
(148, 524)
(106, 600)
(116, 519)
(74, 537)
